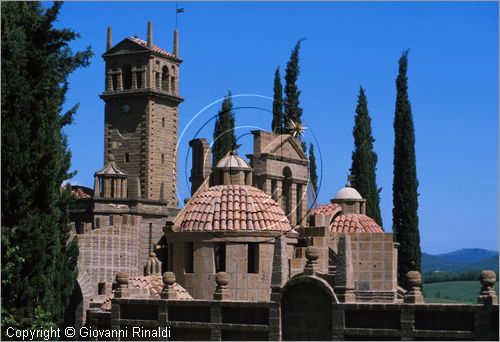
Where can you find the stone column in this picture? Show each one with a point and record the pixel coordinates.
(109, 81)
(487, 296)
(97, 191)
(134, 78)
(119, 86)
(293, 204)
(414, 294)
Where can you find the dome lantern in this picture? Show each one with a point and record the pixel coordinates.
(232, 170)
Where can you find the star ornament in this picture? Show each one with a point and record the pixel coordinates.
(296, 129)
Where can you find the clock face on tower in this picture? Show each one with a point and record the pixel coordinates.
(126, 108)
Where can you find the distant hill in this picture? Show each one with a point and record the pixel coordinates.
(468, 255)
(462, 260)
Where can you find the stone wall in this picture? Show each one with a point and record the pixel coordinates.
(240, 320)
(112, 248)
(243, 285)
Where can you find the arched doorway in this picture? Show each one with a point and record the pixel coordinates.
(306, 312)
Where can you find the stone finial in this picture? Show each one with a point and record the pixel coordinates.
(312, 256)
(487, 295)
(222, 291)
(111, 157)
(121, 284)
(414, 294)
(150, 33)
(153, 265)
(109, 38)
(168, 287)
(176, 43)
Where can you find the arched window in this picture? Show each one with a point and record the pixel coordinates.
(127, 76)
(164, 78)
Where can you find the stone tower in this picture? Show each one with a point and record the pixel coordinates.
(141, 115)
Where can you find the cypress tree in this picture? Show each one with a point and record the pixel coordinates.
(277, 123)
(364, 159)
(38, 260)
(224, 138)
(313, 173)
(405, 184)
(293, 111)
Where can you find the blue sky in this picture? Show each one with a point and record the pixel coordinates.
(453, 88)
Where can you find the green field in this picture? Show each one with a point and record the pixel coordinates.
(453, 292)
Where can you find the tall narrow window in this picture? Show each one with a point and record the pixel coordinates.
(115, 81)
(220, 257)
(127, 76)
(253, 258)
(157, 80)
(164, 78)
(188, 257)
(127, 157)
(162, 122)
(139, 79)
(162, 158)
(299, 203)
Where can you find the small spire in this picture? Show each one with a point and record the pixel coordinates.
(109, 39)
(150, 33)
(176, 43)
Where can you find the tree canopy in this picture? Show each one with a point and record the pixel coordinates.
(38, 259)
(405, 183)
(224, 138)
(364, 159)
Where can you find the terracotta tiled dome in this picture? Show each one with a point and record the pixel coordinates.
(233, 208)
(354, 223)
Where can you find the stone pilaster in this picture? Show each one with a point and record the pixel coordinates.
(344, 278)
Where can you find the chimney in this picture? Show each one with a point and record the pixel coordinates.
(150, 33)
(109, 38)
(176, 43)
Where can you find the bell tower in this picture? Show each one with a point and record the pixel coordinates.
(141, 99)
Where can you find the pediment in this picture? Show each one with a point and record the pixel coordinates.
(126, 46)
(288, 148)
